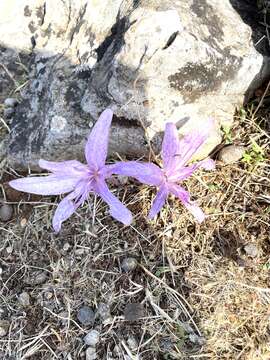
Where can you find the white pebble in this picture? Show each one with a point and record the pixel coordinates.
(90, 354)
(24, 299)
(92, 338)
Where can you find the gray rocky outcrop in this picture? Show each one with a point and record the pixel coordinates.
(150, 61)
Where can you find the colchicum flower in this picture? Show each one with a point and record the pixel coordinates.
(175, 155)
(79, 179)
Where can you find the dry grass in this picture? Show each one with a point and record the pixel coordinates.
(203, 297)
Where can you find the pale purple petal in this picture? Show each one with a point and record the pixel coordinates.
(97, 143)
(146, 173)
(184, 196)
(69, 167)
(45, 185)
(170, 145)
(158, 202)
(207, 164)
(70, 203)
(196, 211)
(117, 209)
(186, 171)
(64, 210)
(190, 144)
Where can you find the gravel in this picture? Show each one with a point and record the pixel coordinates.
(251, 250)
(6, 212)
(86, 315)
(24, 299)
(37, 278)
(103, 311)
(231, 154)
(92, 338)
(4, 325)
(90, 354)
(129, 264)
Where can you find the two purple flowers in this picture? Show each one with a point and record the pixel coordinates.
(78, 180)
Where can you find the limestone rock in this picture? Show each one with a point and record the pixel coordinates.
(231, 154)
(150, 61)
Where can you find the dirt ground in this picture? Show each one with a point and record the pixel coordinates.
(198, 291)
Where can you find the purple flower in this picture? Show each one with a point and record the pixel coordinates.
(79, 179)
(175, 155)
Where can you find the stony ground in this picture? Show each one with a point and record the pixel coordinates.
(162, 289)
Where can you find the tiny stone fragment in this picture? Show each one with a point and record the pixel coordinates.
(10, 102)
(37, 278)
(66, 246)
(92, 338)
(251, 250)
(9, 249)
(195, 339)
(132, 343)
(166, 345)
(6, 212)
(4, 325)
(134, 312)
(90, 353)
(231, 154)
(24, 299)
(129, 264)
(103, 311)
(86, 315)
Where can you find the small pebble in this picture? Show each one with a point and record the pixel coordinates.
(23, 222)
(129, 264)
(231, 154)
(4, 325)
(37, 278)
(92, 338)
(166, 345)
(132, 343)
(24, 299)
(8, 112)
(251, 250)
(195, 339)
(10, 102)
(103, 311)
(90, 354)
(6, 212)
(9, 249)
(66, 246)
(134, 312)
(86, 315)
(79, 251)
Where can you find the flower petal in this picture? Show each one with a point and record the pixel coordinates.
(97, 143)
(186, 171)
(158, 202)
(45, 185)
(70, 204)
(207, 164)
(191, 143)
(117, 209)
(184, 196)
(146, 173)
(170, 145)
(64, 210)
(69, 167)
